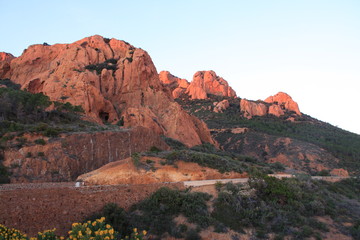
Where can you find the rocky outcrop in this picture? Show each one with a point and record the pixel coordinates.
(207, 82)
(276, 105)
(221, 106)
(339, 172)
(150, 170)
(250, 108)
(276, 110)
(176, 85)
(284, 101)
(110, 79)
(66, 157)
(5, 59)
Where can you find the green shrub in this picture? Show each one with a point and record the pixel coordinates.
(41, 154)
(155, 149)
(52, 132)
(4, 174)
(135, 157)
(40, 141)
(192, 234)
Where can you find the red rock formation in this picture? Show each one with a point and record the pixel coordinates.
(284, 101)
(5, 59)
(220, 107)
(276, 110)
(339, 172)
(276, 105)
(250, 109)
(6, 56)
(207, 82)
(110, 79)
(176, 85)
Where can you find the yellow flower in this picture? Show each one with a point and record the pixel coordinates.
(108, 226)
(135, 229)
(144, 232)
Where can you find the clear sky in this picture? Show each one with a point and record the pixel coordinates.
(309, 49)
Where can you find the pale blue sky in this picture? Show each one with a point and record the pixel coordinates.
(307, 48)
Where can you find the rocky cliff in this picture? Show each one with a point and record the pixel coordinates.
(66, 157)
(111, 79)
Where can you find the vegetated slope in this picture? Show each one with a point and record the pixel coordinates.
(265, 208)
(342, 148)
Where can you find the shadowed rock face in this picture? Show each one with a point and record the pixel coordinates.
(110, 79)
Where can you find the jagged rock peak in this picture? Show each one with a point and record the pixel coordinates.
(207, 82)
(6, 56)
(284, 101)
(176, 85)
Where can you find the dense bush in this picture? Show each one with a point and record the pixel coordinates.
(285, 207)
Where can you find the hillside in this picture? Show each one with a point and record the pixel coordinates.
(318, 145)
(97, 111)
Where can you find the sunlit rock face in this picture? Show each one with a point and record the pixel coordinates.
(176, 85)
(207, 82)
(111, 79)
(284, 101)
(250, 108)
(276, 105)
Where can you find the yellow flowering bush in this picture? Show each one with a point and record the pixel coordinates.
(96, 230)
(135, 235)
(11, 233)
(47, 235)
